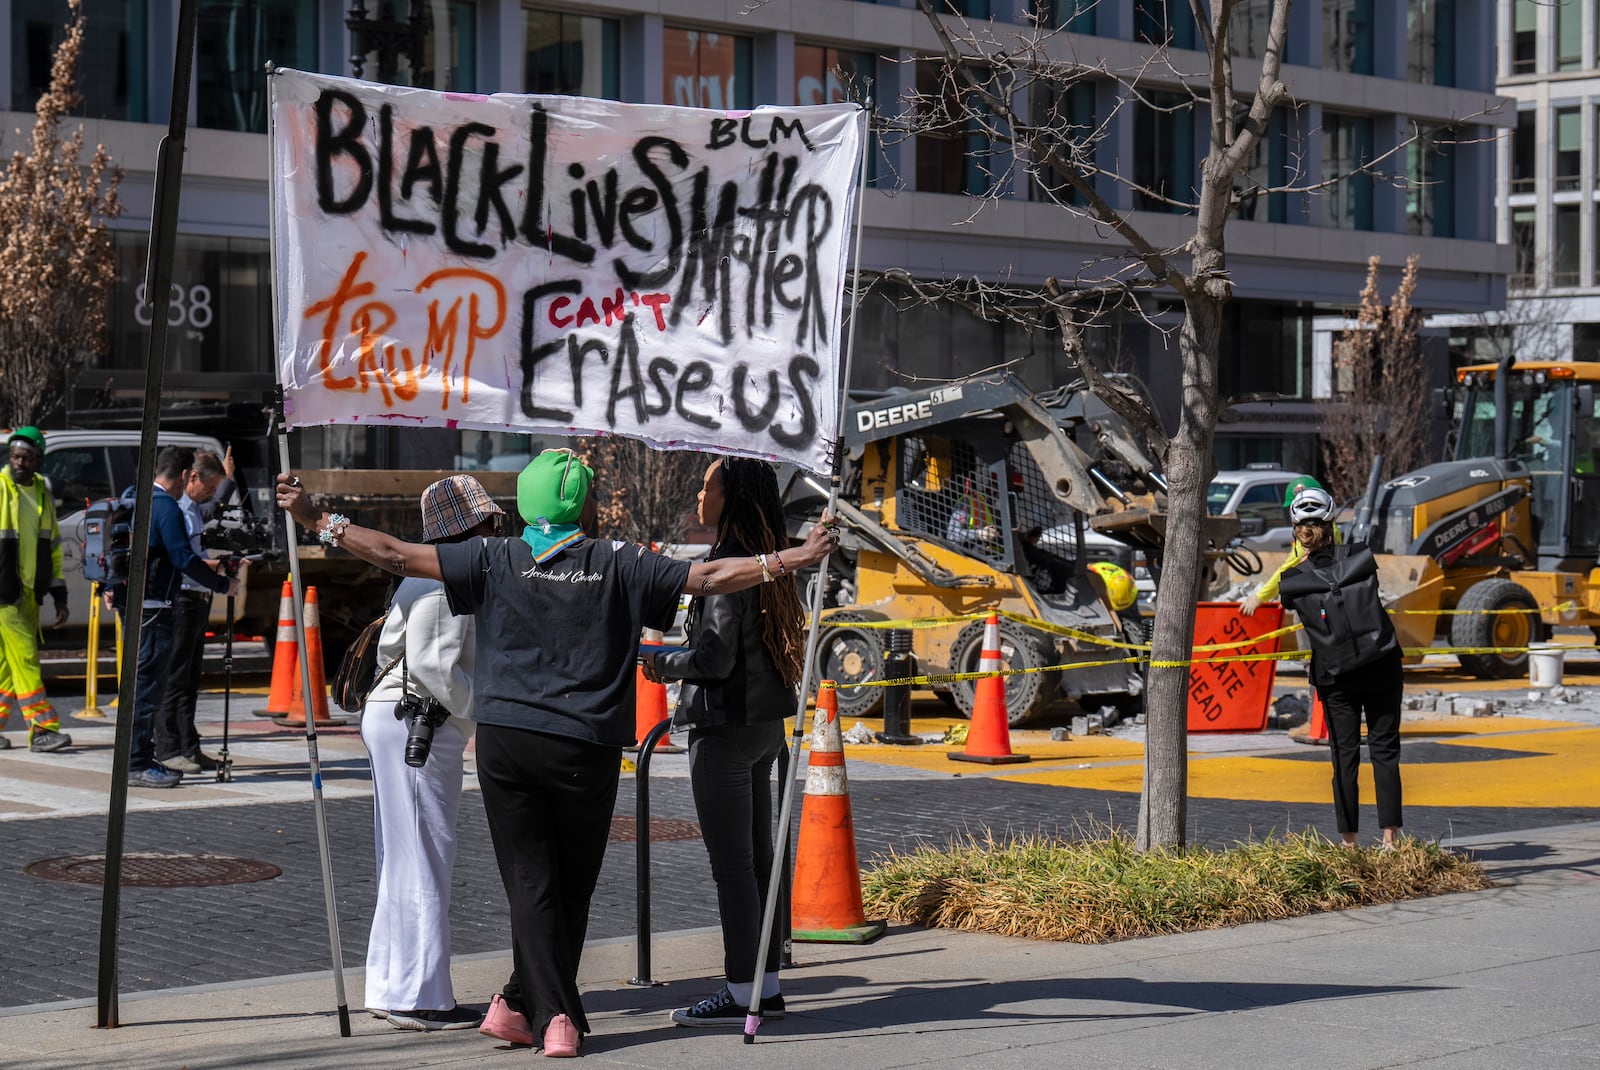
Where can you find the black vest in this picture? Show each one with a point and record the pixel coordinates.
(1335, 593)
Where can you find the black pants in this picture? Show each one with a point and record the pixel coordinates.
(730, 770)
(1373, 690)
(175, 731)
(549, 801)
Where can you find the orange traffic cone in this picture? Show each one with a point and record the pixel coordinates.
(649, 710)
(825, 905)
(319, 684)
(285, 658)
(1314, 730)
(989, 737)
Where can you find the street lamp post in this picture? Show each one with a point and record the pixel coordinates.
(388, 35)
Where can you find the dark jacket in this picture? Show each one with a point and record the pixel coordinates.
(729, 678)
(171, 556)
(1335, 593)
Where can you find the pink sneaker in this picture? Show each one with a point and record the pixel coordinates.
(561, 1038)
(503, 1023)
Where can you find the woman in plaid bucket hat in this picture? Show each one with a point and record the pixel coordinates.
(425, 659)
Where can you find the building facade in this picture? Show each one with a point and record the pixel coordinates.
(1364, 76)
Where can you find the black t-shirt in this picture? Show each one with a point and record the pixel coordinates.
(557, 642)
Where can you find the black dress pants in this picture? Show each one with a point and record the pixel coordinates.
(730, 771)
(175, 732)
(1374, 690)
(549, 801)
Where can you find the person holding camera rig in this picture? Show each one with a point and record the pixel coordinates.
(553, 688)
(176, 740)
(416, 723)
(171, 557)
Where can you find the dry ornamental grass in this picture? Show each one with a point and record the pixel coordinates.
(1102, 890)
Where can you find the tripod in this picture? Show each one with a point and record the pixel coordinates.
(224, 762)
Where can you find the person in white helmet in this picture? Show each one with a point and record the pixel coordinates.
(1355, 659)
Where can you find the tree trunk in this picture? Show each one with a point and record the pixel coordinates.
(1163, 808)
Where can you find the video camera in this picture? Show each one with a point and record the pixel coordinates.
(236, 531)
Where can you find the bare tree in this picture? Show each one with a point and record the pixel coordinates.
(643, 495)
(968, 93)
(56, 261)
(1379, 376)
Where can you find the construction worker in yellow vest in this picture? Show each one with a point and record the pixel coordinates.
(30, 566)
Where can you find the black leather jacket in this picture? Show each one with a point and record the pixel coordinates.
(729, 678)
(1335, 593)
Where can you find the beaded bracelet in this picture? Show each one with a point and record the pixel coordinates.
(779, 559)
(333, 530)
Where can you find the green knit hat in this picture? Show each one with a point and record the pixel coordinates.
(1296, 484)
(553, 488)
(31, 436)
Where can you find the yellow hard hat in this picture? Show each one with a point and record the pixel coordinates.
(1120, 589)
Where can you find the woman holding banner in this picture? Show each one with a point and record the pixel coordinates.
(554, 692)
(746, 652)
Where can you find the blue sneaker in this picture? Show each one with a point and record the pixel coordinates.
(154, 777)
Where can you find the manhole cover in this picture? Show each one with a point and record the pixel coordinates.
(156, 870)
(626, 830)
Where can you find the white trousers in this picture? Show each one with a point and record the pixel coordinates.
(414, 811)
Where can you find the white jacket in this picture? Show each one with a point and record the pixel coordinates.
(439, 650)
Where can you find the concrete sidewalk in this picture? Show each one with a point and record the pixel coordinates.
(1495, 979)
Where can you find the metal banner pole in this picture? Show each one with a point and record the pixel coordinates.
(775, 879)
(281, 433)
(158, 287)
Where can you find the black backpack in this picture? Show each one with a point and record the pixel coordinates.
(108, 541)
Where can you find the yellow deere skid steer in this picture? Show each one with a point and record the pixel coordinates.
(973, 497)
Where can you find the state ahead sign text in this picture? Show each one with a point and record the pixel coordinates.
(561, 265)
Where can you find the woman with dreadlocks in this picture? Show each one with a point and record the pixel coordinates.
(740, 672)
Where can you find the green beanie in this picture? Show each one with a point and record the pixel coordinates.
(32, 436)
(1296, 484)
(553, 488)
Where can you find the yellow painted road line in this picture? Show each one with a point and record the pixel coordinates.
(1566, 772)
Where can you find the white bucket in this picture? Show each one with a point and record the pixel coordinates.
(1545, 663)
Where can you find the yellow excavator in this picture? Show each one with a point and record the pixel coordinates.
(1510, 523)
(977, 496)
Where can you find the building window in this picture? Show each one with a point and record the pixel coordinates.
(112, 69)
(234, 39)
(705, 70)
(570, 55)
(220, 316)
(824, 75)
(952, 151)
(1163, 152)
(1268, 167)
(1065, 119)
(1431, 41)
(1247, 31)
(1347, 35)
(1525, 38)
(1266, 348)
(1568, 243)
(1164, 22)
(1431, 185)
(1524, 239)
(449, 49)
(1074, 16)
(1569, 35)
(1585, 341)
(1524, 151)
(972, 9)
(1346, 146)
(1569, 149)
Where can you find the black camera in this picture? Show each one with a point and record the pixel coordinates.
(235, 531)
(422, 716)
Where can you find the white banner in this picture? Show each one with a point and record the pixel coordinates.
(561, 265)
